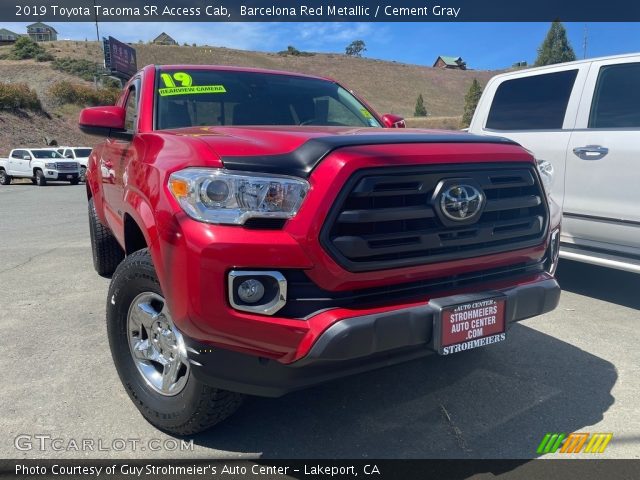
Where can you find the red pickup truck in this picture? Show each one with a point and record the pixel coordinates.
(267, 231)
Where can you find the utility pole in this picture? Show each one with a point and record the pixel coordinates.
(95, 13)
(585, 42)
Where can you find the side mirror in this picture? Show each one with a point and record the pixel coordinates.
(393, 121)
(69, 155)
(104, 122)
(27, 157)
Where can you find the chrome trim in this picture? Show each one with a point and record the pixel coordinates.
(270, 308)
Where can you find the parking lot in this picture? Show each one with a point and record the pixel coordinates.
(575, 369)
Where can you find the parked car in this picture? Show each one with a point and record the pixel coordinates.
(40, 165)
(79, 154)
(268, 231)
(583, 120)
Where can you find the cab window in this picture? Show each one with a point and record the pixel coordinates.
(538, 102)
(616, 101)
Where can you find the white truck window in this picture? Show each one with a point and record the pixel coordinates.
(537, 102)
(616, 101)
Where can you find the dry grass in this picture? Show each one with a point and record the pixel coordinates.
(389, 86)
(442, 123)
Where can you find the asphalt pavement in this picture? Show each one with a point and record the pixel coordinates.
(574, 369)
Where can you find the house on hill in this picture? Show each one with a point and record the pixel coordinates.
(164, 39)
(7, 36)
(41, 32)
(450, 62)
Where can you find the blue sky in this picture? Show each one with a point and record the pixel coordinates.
(482, 45)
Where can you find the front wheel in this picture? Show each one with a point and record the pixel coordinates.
(41, 180)
(151, 358)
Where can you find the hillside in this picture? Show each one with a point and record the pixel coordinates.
(389, 86)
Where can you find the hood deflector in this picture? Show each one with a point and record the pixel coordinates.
(301, 161)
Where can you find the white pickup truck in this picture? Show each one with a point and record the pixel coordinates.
(582, 118)
(40, 165)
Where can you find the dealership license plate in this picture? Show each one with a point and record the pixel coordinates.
(69, 177)
(470, 325)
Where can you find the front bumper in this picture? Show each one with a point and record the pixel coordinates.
(355, 344)
(61, 176)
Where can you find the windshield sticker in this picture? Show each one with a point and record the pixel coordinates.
(165, 92)
(186, 86)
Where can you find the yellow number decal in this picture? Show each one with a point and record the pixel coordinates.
(183, 78)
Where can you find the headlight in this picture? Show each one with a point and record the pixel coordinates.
(222, 196)
(546, 174)
(50, 165)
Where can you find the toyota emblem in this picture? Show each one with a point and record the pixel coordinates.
(461, 202)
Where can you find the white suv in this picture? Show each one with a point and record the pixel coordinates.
(79, 154)
(584, 118)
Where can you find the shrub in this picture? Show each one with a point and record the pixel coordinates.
(44, 57)
(79, 67)
(15, 96)
(25, 48)
(291, 50)
(67, 92)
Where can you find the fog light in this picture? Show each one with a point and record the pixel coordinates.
(251, 291)
(256, 291)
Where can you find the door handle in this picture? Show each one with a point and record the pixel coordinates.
(591, 152)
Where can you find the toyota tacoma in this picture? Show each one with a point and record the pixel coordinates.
(268, 231)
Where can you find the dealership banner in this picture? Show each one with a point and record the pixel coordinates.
(320, 469)
(317, 10)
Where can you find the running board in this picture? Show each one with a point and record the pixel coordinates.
(594, 257)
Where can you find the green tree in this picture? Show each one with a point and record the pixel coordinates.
(421, 110)
(471, 102)
(556, 47)
(355, 48)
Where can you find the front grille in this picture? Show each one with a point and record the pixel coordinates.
(62, 166)
(387, 218)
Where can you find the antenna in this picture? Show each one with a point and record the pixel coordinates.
(585, 42)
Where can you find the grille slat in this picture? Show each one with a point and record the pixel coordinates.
(513, 203)
(388, 218)
(65, 166)
(385, 214)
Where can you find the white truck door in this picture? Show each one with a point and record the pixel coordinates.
(602, 187)
(17, 163)
(537, 110)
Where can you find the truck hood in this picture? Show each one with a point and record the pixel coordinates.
(297, 150)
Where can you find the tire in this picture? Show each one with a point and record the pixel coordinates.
(105, 249)
(41, 180)
(4, 178)
(83, 174)
(75, 181)
(192, 406)
(33, 180)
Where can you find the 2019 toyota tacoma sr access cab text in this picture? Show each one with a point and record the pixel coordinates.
(268, 231)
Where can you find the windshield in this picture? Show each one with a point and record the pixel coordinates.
(46, 154)
(212, 98)
(82, 152)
